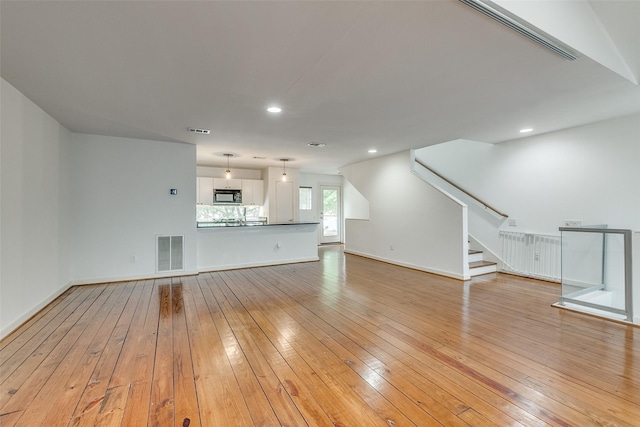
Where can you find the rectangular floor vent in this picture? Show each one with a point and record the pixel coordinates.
(170, 253)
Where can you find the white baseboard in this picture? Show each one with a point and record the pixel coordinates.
(409, 265)
(112, 279)
(255, 264)
(7, 329)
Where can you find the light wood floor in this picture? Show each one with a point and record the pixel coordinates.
(346, 341)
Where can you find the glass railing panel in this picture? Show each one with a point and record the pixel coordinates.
(614, 270)
(596, 270)
(582, 263)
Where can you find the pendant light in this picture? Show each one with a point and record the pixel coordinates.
(228, 171)
(284, 169)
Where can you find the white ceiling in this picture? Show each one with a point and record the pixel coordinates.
(354, 75)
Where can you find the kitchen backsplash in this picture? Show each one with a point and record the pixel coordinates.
(208, 213)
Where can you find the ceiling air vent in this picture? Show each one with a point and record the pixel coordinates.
(521, 27)
(200, 131)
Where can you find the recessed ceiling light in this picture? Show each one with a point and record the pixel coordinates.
(526, 130)
(274, 109)
(373, 150)
(317, 144)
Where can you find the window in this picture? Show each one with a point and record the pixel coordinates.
(208, 213)
(305, 198)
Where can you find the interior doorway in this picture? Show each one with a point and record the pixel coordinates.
(330, 214)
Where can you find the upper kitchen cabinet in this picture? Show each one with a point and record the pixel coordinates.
(227, 184)
(205, 191)
(252, 192)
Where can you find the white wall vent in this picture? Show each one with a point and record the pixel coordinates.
(169, 253)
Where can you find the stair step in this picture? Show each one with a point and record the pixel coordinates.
(475, 255)
(477, 268)
(477, 264)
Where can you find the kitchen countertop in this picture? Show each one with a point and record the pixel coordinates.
(216, 225)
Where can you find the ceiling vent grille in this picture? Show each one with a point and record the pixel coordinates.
(199, 131)
(523, 28)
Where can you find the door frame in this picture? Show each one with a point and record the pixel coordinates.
(340, 218)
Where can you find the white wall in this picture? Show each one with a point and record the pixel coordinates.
(223, 248)
(588, 173)
(410, 223)
(121, 201)
(356, 206)
(34, 208)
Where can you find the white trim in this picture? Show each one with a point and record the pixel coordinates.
(256, 264)
(479, 271)
(16, 323)
(408, 265)
(112, 279)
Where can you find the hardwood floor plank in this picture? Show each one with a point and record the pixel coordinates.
(219, 395)
(18, 337)
(82, 335)
(135, 366)
(186, 401)
(77, 380)
(489, 404)
(368, 373)
(44, 339)
(162, 410)
(267, 399)
(346, 341)
(358, 337)
(352, 389)
(10, 418)
(90, 403)
(267, 362)
(315, 400)
(34, 370)
(112, 408)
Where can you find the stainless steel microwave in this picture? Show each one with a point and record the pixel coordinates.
(227, 197)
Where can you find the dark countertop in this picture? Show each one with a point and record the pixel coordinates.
(210, 225)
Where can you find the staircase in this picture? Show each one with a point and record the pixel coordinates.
(478, 266)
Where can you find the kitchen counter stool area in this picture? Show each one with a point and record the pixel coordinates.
(224, 248)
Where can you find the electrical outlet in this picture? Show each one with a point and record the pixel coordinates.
(391, 248)
(132, 258)
(513, 222)
(572, 222)
(536, 257)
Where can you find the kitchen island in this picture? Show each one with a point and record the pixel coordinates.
(255, 245)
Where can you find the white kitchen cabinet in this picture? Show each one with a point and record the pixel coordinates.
(205, 191)
(227, 184)
(252, 192)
